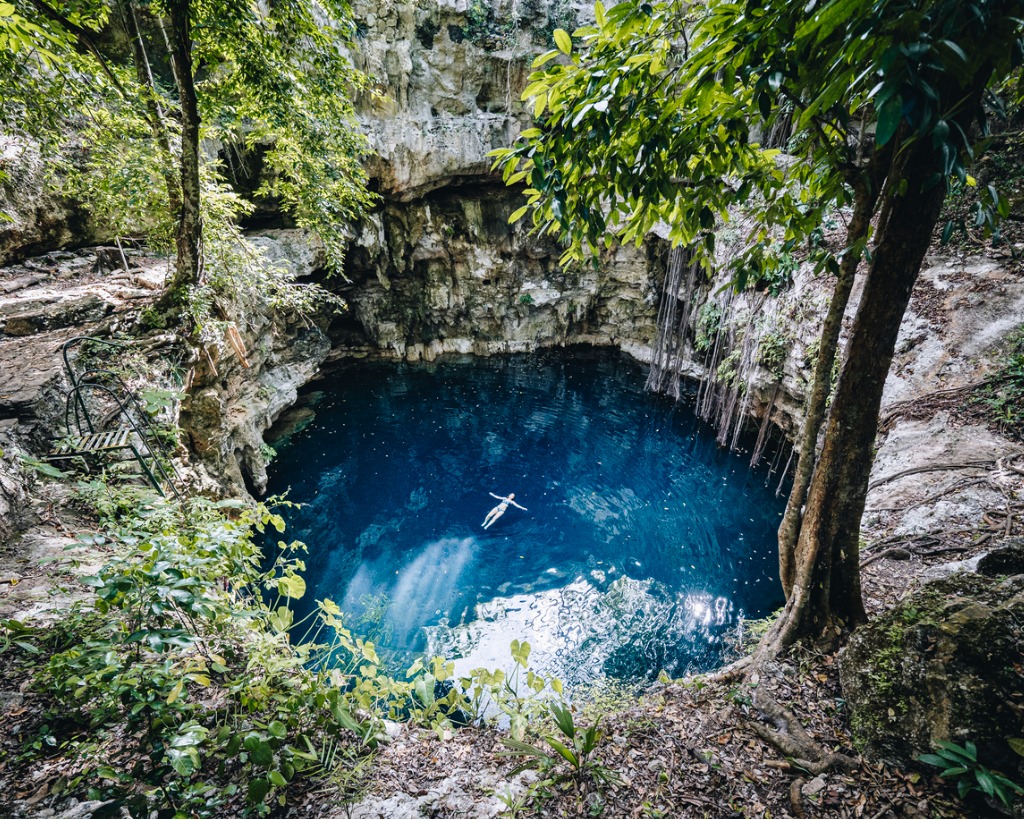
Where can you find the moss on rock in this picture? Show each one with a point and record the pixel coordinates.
(946, 664)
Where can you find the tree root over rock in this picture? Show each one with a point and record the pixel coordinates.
(788, 736)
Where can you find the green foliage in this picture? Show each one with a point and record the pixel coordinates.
(570, 756)
(41, 468)
(646, 117)
(285, 86)
(1002, 396)
(120, 178)
(561, 15)
(157, 399)
(709, 321)
(525, 299)
(960, 763)
(110, 503)
(22, 36)
(772, 351)
(239, 272)
(267, 453)
(752, 630)
(179, 648)
(631, 134)
(191, 649)
(276, 81)
(728, 368)
(478, 20)
(771, 269)
(14, 633)
(484, 28)
(521, 697)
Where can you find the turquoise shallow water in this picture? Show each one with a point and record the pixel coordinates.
(642, 543)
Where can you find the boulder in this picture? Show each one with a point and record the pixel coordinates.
(946, 664)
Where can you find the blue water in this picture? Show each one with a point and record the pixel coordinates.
(642, 546)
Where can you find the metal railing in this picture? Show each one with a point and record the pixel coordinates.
(150, 449)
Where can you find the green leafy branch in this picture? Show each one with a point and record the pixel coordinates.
(960, 763)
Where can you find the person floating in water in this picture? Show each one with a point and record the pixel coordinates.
(499, 511)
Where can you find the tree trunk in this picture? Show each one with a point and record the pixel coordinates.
(826, 592)
(866, 188)
(155, 114)
(188, 241)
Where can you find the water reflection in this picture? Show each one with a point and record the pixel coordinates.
(427, 584)
(586, 629)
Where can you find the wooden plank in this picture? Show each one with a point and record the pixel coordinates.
(95, 442)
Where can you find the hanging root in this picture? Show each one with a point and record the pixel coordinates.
(788, 736)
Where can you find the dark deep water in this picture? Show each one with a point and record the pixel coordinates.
(642, 544)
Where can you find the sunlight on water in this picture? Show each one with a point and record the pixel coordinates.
(642, 543)
(579, 632)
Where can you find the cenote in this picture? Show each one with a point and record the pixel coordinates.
(643, 544)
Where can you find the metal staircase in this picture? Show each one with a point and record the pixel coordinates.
(105, 420)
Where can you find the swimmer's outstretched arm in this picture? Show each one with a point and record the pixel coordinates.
(499, 497)
(513, 503)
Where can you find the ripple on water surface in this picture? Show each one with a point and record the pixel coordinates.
(642, 543)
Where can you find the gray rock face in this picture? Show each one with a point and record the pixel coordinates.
(449, 75)
(13, 484)
(234, 401)
(38, 219)
(438, 269)
(447, 273)
(35, 316)
(944, 665)
(232, 405)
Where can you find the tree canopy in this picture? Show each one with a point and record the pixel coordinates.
(658, 113)
(141, 101)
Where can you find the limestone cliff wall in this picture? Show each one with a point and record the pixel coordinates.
(448, 75)
(447, 273)
(437, 268)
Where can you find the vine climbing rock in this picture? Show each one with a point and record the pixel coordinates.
(945, 664)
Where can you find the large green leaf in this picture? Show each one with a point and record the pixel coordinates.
(889, 117)
(292, 586)
(564, 751)
(563, 41)
(563, 719)
(257, 790)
